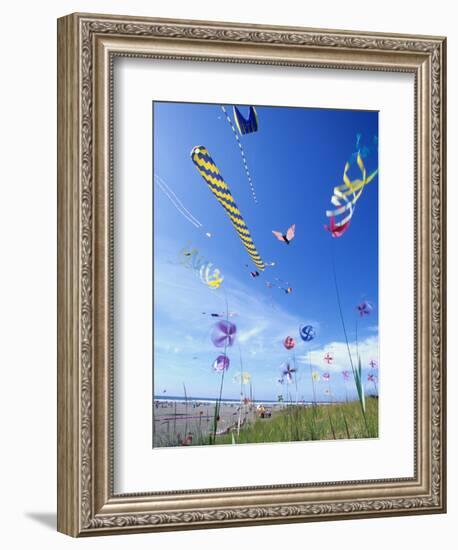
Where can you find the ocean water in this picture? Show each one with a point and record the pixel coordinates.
(181, 398)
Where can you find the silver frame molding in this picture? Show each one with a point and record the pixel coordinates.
(87, 45)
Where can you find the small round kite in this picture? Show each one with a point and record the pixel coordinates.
(307, 333)
(223, 334)
(221, 363)
(289, 342)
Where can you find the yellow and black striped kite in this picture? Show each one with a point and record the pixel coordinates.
(209, 171)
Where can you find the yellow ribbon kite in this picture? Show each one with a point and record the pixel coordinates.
(355, 188)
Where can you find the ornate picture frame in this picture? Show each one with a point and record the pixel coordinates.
(87, 46)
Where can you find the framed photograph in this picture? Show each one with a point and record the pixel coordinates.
(251, 295)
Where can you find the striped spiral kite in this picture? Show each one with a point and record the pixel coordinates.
(209, 171)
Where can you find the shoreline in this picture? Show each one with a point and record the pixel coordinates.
(181, 423)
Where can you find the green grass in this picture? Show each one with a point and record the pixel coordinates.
(326, 422)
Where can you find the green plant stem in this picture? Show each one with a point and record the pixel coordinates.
(339, 304)
(186, 411)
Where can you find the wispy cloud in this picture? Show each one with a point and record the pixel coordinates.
(184, 351)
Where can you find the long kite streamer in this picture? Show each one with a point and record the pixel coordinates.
(209, 171)
(189, 258)
(242, 152)
(341, 194)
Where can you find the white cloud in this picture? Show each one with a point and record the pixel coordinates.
(367, 349)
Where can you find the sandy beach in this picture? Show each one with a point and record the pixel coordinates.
(177, 423)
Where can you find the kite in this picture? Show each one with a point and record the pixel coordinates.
(242, 153)
(254, 274)
(288, 372)
(223, 334)
(345, 198)
(328, 358)
(337, 230)
(242, 378)
(246, 126)
(289, 342)
(346, 375)
(365, 150)
(364, 308)
(286, 289)
(288, 236)
(230, 314)
(221, 363)
(210, 173)
(307, 333)
(326, 376)
(212, 278)
(373, 364)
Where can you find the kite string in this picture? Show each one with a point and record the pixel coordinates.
(177, 200)
(177, 203)
(242, 153)
(339, 304)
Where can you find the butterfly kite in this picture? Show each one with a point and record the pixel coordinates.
(254, 274)
(286, 237)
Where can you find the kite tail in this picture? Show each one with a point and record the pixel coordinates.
(242, 154)
(355, 371)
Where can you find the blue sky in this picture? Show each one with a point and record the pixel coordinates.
(296, 158)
